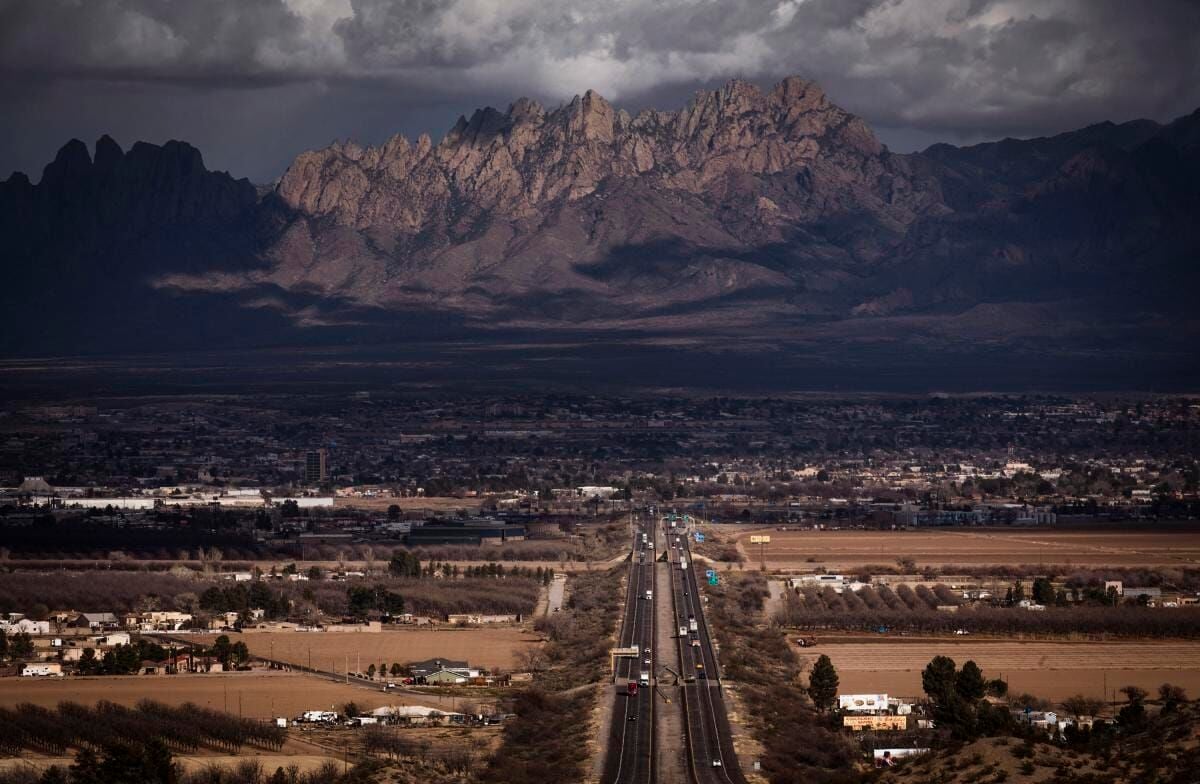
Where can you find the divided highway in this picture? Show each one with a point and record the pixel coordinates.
(632, 740)
(711, 757)
(631, 737)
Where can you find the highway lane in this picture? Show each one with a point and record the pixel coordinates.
(631, 736)
(710, 740)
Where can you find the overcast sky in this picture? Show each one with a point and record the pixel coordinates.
(254, 82)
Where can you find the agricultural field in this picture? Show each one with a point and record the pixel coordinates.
(1052, 670)
(491, 648)
(258, 695)
(801, 550)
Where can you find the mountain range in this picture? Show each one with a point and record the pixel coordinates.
(748, 219)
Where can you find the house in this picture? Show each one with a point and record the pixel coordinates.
(446, 678)
(422, 668)
(112, 639)
(158, 621)
(42, 670)
(102, 621)
(1045, 720)
(222, 621)
(24, 626)
(442, 671)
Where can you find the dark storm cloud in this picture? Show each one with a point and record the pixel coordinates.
(252, 79)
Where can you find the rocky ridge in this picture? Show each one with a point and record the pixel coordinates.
(748, 211)
(594, 211)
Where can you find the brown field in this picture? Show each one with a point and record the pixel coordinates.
(491, 648)
(846, 550)
(260, 694)
(1053, 670)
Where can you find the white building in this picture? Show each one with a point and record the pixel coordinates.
(43, 670)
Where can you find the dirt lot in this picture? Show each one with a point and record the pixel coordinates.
(258, 694)
(490, 648)
(1053, 670)
(846, 550)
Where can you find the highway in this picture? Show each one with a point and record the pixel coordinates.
(711, 757)
(631, 737)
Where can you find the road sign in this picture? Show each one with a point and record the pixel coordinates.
(699, 536)
(709, 573)
(714, 580)
(760, 540)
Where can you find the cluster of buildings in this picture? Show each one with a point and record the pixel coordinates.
(534, 451)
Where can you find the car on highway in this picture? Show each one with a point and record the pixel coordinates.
(695, 643)
(716, 763)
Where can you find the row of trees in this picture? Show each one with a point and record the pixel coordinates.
(406, 564)
(185, 727)
(878, 607)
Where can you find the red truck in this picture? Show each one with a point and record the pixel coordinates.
(632, 688)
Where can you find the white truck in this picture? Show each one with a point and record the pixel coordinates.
(692, 625)
(682, 562)
(319, 717)
(649, 595)
(644, 679)
(683, 631)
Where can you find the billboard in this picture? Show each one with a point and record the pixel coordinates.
(760, 539)
(875, 722)
(862, 702)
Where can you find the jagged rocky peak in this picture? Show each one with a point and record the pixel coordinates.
(526, 110)
(520, 160)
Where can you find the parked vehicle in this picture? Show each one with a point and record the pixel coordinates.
(806, 642)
